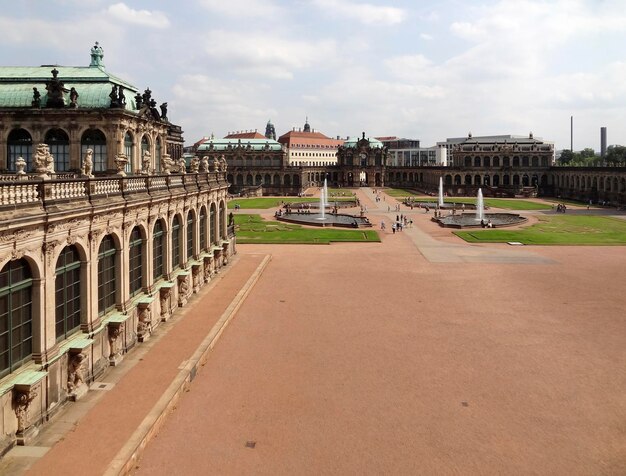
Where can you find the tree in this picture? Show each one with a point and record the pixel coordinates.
(588, 152)
(615, 154)
(566, 157)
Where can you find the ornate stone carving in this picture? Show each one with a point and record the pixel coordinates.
(75, 372)
(204, 164)
(114, 331)
(183, 289)
(22, 400)
(182, 166)
(43, 161)
(87, 166)
(120, 164)
(20, 164)
(194, 166)
(165, 294)
(146, 162)
(195, 277)
(166, 164)
(223, 164)
(17, 235)
(144, 321)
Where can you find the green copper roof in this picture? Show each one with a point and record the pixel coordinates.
(352, 142)
(246, 144)
(92, 83)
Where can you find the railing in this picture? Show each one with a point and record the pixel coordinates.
(26, 189)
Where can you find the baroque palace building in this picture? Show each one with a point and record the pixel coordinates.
(104, 232)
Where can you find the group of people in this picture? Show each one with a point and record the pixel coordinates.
(486, 224)
(560, 208)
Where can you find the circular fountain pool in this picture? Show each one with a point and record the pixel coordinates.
(470, 220)
(329, 219)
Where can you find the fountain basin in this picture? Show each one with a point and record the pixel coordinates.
(469, 220)
(315, 219)
(316, 204)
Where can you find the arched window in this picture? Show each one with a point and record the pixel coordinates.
(16, 325)
(176, 242)
(59, 145)
(135, 261)
(67, 293)
(95, 140)
(19, 144)
(158, 247)
(212, 224)
(128, 150)
(190, 223)
(106, 275)
(203, 244)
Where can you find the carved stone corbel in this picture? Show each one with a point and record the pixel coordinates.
(183, 289)
(76, 387)
(144, 321)
(115, 329)
(21, 401)
(165, 296)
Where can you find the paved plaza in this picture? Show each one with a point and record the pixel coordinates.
(418, 355)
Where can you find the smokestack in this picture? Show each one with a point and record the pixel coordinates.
(571, 129)
(602, 141)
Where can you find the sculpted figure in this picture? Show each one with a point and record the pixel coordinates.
(216, 164)
(36, 98)
(194, 166)
(75, 372)
(145, 163)
(42, 159)
(88, 163)
(223, 164)
(204, 164)
(166, 164)
(163, 111)
(20, 164)
(121, 99)
(182, 166)
(73, 98)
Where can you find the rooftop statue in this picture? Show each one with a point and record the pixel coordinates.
(73, 98)
(146, 163)
(121, 99)
(87, 167)
(163, 111)
(55, 91)
(36, 98)
(166, 164)
(138, 101)
(114, 97)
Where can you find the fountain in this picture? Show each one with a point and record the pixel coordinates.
(479, 218)
(480, 206)
(323, 201)
(440, 192)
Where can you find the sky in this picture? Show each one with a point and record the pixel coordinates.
(423, 70)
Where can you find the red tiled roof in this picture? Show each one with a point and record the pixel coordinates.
(245, 135)
(308, 139)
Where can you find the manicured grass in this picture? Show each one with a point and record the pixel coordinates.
(271, 202)
(254, 229)
(265, 202)
(340, 192)
(505, 203)
(401, 193)
(557, 230)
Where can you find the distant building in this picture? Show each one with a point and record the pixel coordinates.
(306, 147)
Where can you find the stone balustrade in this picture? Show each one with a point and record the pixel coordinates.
(34, 190)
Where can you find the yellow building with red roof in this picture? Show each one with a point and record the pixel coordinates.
(307, 147)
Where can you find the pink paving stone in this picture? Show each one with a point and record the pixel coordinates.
(369, 359)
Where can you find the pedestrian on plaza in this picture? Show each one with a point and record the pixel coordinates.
(393, 228)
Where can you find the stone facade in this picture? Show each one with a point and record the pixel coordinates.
(114, 307)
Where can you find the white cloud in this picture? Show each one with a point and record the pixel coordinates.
(426, 36)
(409, 67)
(267, 55)
(363, 12)
(154, 19)
(243, 8)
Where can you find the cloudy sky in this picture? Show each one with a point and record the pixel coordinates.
(421, 69)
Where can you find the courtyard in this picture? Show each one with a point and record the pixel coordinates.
(421, 354)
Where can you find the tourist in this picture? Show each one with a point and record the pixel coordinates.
(382, 226)
(393, 228)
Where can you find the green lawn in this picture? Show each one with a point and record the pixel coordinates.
(254, 229)
(505, 203)
(341, 192)
(401, 193)
(557, 230)
(272, 202)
